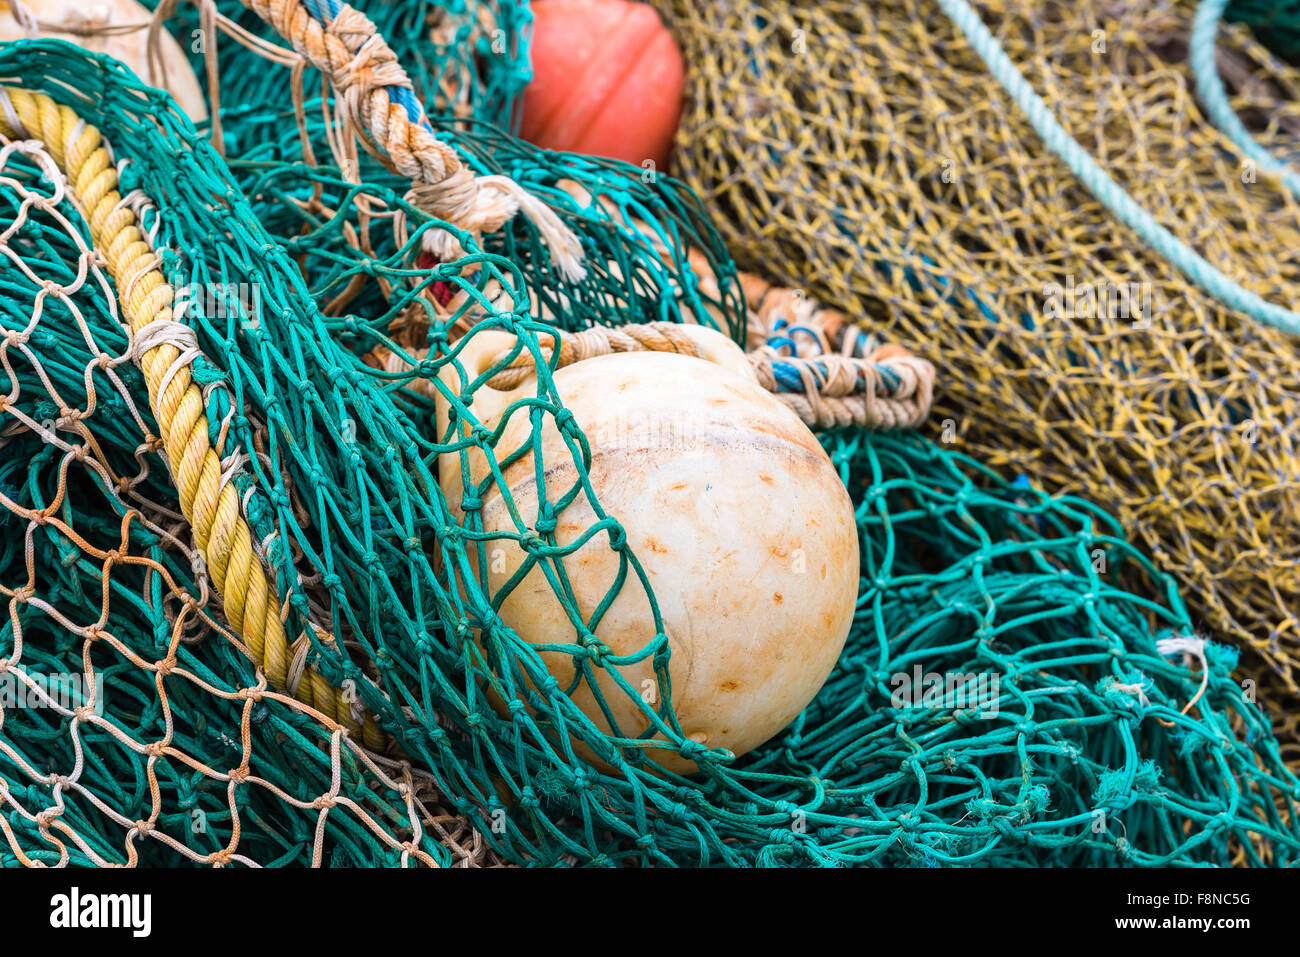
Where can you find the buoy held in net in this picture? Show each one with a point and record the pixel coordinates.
(729, 503)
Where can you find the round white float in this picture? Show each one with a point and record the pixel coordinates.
(728, 501)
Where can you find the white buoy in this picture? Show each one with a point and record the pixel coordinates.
(728, 501)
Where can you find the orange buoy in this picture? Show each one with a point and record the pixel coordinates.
(608, 80)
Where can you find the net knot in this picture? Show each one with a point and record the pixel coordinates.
(1127, 695)
(546, 522)
(617, 538)
(784, 836)
(46, 817)
(693, 750)
(1005, 826)
(581, 779)
(1223, 821)
(595, 649)
(564, 420)
(549, 686)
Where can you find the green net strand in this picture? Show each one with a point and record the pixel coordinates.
(466, 58)
(1075, 753)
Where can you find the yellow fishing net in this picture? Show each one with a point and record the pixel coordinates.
(864, 153)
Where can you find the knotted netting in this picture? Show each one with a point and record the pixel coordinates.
(285, 113)
(465, 58)
(878, 163)
(1105, 731)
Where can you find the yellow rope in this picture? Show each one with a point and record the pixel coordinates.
(211, 507)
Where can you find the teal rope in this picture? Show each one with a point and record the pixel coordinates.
(1210, 88)
(1110, 193)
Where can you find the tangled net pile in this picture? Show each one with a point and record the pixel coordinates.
(1114, 734)
(880, 166)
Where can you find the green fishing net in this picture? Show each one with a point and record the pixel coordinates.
(1093, 726)
(467, 58)
(630, 276)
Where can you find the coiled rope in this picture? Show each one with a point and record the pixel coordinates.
(821, 366)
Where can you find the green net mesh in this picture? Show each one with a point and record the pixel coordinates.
(630, 276)
(1071, 352)
(467, 58)
(1092, 724)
